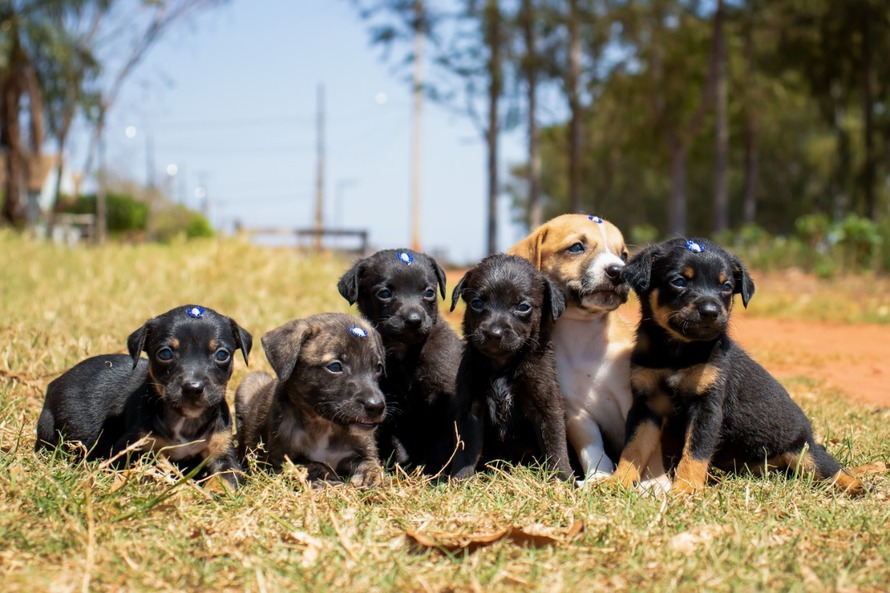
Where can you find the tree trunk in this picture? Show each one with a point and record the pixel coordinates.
(417, 121)
(10, 139)
(749, 198)
(573, 77)
(868, 171)
(721, 149)
(677, 207)
(493, 34)
(535, 211)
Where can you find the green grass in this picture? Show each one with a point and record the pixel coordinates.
(72, 526)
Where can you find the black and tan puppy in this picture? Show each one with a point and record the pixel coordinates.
(396, 292)
(176, 397)
(509, 404)
(696, 393)
(323, 409)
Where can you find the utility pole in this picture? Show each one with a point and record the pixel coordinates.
(101, 181)
(419, 34)
(319, 172)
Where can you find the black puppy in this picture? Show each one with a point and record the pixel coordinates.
(396, 292)
(509, 404)
(326, 404)
(176, 398)
(696, 393)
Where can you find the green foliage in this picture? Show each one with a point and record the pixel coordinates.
(171, 221)
(851, 245)
(125, 213)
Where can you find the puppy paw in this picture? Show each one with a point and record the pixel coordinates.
(655, 486)
(685, 487)
(367, 476)
(594, 478)
(627, 474)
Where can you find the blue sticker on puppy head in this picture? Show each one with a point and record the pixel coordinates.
(595, 219)
(694, 247)
(405, 257)
(358, 331)
(195, 312)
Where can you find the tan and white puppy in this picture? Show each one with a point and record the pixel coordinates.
(585, 256)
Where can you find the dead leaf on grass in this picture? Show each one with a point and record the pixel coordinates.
(535, 536)
(875, 467)
(690, 541)
(312, 546)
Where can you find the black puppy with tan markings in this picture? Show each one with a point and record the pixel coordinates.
(697, 394)
(509, 406)
(323, 409)
(176, 397)
(396, 291)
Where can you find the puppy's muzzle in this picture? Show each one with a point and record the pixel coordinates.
(704, 320)
(496, 339)
(374, 409)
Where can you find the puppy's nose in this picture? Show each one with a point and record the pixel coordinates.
(613, 272)
(495, 332)
(709, 311)
(193, 389)
(413, 318)
(374, 406)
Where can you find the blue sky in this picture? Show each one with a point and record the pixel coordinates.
(230, 99)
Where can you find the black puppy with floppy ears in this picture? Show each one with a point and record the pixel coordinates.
(396, 291)
(696, 393)
(324, 407)
(509, 405)
(176, 397)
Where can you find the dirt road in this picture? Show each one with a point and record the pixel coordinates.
(854, 359)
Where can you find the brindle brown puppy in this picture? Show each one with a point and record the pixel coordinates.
(696, 392)
(176, 398)
(396, 291)
(509, 406)
(324, 407)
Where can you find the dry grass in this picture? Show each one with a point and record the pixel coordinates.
(69, 527)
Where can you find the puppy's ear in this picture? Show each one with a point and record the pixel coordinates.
(243, 339)
(744, 285)
(530, 247)
(638, 271)
(455, 294)
(554, 299)
(348, 284)
(440, 275)
(282, 346)
(136, 342)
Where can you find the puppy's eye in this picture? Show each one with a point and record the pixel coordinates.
(477, 304)
(679, 282)
(429, 294)
(523, 307)
(384, 294)
(222, 356)
(624, 257)
(335, 367)
(165, 354)
(576, 248)
(727, 285)
(379, 368)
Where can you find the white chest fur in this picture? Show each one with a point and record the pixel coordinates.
(321, 442)
(182, 442)
(594, 375)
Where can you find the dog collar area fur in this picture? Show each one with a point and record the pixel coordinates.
(693, 246)
(595, 219)
(195, 312)
(358, 331)
(406, 258)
